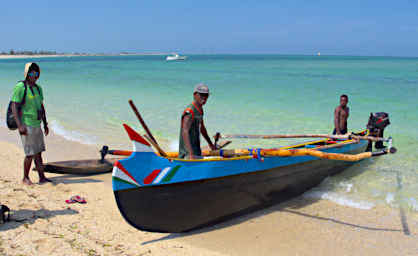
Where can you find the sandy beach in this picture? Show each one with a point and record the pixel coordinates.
(43, 224)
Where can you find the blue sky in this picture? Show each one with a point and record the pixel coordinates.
(383, 28)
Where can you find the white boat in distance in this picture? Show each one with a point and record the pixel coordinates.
(175, 56)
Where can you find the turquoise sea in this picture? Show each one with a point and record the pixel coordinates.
(87, 101)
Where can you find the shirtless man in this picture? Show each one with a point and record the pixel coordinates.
(341, 114)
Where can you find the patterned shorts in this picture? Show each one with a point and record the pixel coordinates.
(33, 143)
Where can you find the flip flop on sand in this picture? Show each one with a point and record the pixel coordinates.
(76, 199)
(69, 201)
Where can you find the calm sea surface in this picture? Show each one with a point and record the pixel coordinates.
(87, 101)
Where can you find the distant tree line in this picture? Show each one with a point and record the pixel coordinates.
(13, 52)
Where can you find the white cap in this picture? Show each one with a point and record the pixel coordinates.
(28, 66)
(201, 88)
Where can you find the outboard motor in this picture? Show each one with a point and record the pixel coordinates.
(376, 125)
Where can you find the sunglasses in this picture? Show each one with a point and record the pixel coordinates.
(33, 73)
(204, 94)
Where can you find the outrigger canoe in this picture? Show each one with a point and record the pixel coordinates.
(83, 167)
(80, 167)
(167, 194)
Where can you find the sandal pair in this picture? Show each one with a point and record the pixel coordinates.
(76, 199)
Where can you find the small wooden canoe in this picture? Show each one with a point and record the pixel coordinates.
(80, 167)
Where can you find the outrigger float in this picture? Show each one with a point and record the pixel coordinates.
(167, 194)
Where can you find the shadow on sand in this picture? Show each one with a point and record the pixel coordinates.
(285, 207)
(26, 217)
(72, 179)
(284, 204)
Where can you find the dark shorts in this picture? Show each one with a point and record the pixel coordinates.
(344, 131)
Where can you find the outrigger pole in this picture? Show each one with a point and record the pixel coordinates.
(282, 136)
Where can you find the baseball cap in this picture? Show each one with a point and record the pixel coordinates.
(31, 66)
(201, 88)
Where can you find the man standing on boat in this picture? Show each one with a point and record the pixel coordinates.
(341, 114)
(192, 125)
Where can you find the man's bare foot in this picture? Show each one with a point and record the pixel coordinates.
(44, 180)
(27, 181)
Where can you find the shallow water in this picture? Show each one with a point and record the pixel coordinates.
(87, 101)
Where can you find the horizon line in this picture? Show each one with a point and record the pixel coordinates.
(125, 53)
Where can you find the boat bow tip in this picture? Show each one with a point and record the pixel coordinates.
(138, 142)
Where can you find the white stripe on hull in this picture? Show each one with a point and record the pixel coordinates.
(118, 173)
(161, 175)
(139, 147)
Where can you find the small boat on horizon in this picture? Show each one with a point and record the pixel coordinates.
(176, 56)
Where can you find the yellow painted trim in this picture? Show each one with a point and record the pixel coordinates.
(212, 159)
(251, 157)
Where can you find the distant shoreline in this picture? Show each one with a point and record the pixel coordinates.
(26, 56)
(35, 56)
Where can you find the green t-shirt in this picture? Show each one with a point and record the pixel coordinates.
(33, 102)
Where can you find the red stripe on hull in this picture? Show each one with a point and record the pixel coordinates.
(120, 166)
(152, 176)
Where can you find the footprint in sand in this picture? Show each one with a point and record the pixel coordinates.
(33, 195)
(62, 188)
(42, 245)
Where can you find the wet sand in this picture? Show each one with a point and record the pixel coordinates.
(43, 224)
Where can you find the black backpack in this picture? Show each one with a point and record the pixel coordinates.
(10, 119)
(4, 214)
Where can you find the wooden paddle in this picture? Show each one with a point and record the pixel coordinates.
(155, 145)
(160, 151)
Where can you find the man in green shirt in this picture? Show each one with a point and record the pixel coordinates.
(29, 112)
(192, 125)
